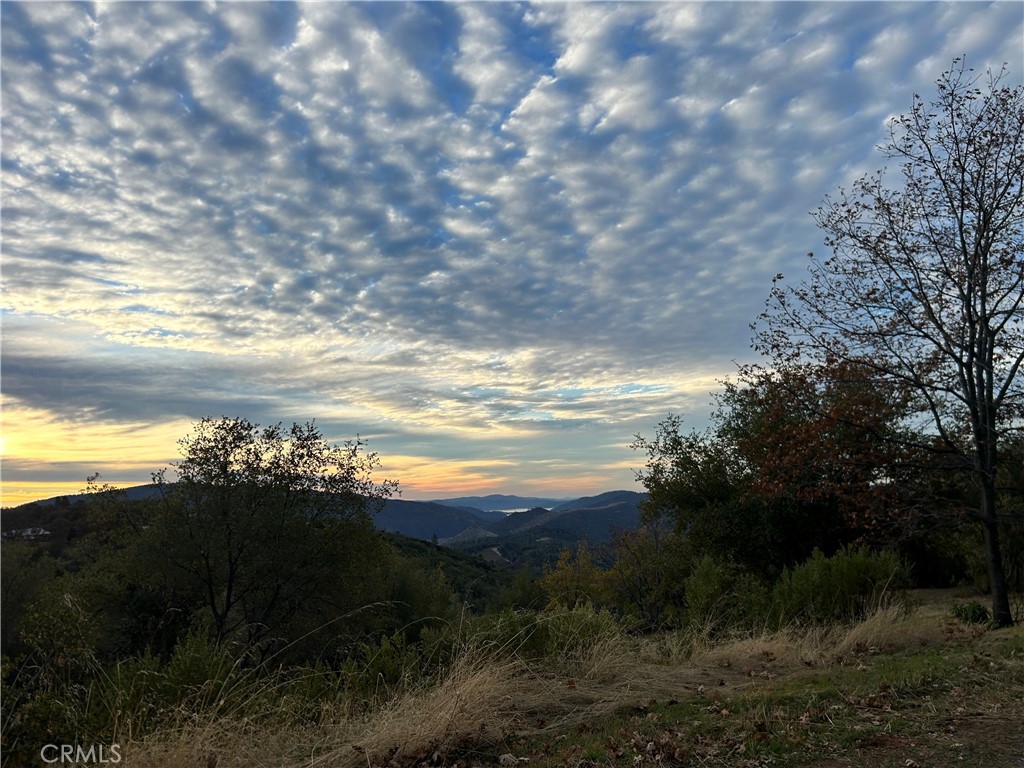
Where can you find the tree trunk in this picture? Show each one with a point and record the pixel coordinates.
(1001, 615)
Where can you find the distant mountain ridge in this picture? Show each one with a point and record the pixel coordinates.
(498, 501)
(134, 493)
(594, 518)
(591, 517)
(520, 521)
(601, 501)
(455, 523)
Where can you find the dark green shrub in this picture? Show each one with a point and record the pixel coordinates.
(647, 581)
(377, 669)
(708, 593)
(845, 587)
(557, 633)
(722, 596)
(523, 591)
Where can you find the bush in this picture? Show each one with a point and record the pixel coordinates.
(972, 613)
(379, 668)
(722, 596)
(524, 591)
(575, 579)
(708, 593)
(647, 580)
(572, 634)
(563, 635)
(845, 587)
(509, 633)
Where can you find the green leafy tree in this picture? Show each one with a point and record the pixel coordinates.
(700, 482)
(24, 570)
(925, 284)
(575, 579)
(118, 575)
(274, 525)
(646, 580)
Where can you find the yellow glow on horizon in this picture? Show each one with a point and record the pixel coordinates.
(422, 477)
(570, 485)
(39, 444)
(419, 475)
(35, 438)
(16, 494)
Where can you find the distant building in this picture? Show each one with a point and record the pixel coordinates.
(25, 534)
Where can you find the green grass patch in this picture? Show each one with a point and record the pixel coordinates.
(866, 710)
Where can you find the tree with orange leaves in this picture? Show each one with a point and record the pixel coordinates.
(796, 460)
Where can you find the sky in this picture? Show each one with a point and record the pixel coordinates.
(494, 240)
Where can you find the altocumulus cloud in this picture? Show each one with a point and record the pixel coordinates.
(497, 233)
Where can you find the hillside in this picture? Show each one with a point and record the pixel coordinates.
(610, 499)
(520, 521)
(472, 534)
(474, 579)
(537, 536)
(530, 536)
(425, 519)
(500, 502)
(594, 517)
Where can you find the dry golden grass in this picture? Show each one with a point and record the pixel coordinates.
(224, 743)
(480, 696)
(892, 626)
(484, 696)
(786, 646)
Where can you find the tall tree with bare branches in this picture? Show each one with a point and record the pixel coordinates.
(925, 282)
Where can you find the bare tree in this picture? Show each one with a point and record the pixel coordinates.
(925, 283)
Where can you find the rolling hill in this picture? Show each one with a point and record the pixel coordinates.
(453, 523)
(427, 519)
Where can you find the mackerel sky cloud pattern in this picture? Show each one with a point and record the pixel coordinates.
(497, 239)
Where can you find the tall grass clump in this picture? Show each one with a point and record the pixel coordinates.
(972, 613)
(476, 697)
(849, 586)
